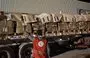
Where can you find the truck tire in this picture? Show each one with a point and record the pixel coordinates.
(25, 50)
(6, 52)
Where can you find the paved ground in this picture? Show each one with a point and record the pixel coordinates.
(85, 53)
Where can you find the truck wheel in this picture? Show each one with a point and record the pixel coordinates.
(25, 50)
(6, 52)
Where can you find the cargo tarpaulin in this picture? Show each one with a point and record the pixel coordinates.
(44, 17)
(56, 17)
(19, 27)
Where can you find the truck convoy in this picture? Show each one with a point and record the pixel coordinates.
(16, 31)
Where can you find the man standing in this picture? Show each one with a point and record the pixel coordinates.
(40, 47)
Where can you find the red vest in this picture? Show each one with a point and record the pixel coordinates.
(39, 45)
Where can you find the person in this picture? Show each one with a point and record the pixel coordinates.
(2, 15)
(40, 46)
(3, 24)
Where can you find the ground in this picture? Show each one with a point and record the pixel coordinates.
(77, 53)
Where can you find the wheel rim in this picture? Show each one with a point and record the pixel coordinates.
(4, 54)
(27, 52)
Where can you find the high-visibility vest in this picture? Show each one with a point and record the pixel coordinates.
(39, 45)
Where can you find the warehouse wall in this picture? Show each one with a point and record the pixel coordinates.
(0, 4)
(39, 6)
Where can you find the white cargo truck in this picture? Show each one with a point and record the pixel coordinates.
(61, 30)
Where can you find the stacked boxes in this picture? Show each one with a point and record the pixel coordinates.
(70, 21)
(66, 24)
(81, 24)
(87, 17)
(51, 24)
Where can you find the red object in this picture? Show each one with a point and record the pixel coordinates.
(83, 43)
(39, 48)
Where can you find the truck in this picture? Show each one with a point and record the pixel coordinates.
(61, 31)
